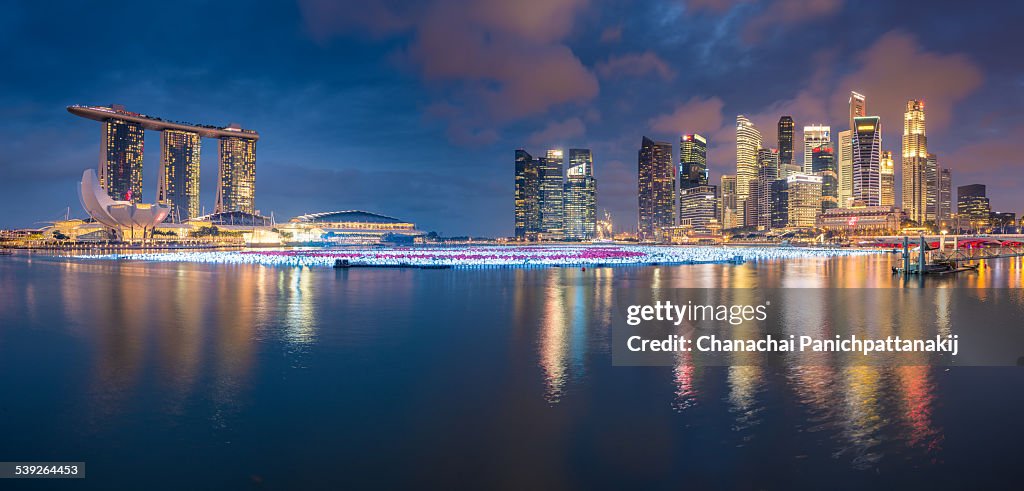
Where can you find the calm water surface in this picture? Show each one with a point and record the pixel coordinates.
(187, 376)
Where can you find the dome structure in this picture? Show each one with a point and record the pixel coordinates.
(116, 214)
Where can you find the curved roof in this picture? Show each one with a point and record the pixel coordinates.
(346, 216)
(234, 218)
(103, 113)
(113, 213)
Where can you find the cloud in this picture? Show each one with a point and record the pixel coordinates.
(694, 116)
(558, 132)
(783, 13)
(497, 61)
(713, 6)
(635, 65)
(611, 34)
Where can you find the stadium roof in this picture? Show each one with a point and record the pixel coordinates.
(346, 216)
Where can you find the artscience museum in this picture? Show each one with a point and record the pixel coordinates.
(118, 215)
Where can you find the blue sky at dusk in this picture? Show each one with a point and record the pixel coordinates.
(414, 109)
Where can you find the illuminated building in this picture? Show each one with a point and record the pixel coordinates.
(236, 175)
(727, 204)
(945, 195)
(656, 188)
(785, 141)
(758, 212)
(972, 206)
(179, 174)
(605, 227)
(551, 188)
(748, 141)
(693, 161)
(118, 214)
(580, 214)
(915, 161)
(887, 178)
(698, 208)
(866, 220)
(803, 200)
(931, 187)
(858, 107)
(120, 170)
(867, 153)
(823, 164)
(1002, 219)
(844, 154)
(348, 227)
(527, 198)
(815, 135)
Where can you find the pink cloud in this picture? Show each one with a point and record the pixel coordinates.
(558, 132)
(611, 34)
(635, 65)
(694, 116)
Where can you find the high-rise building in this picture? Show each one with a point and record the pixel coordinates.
(945, 206)
(179, 174)
(748, 141)
(527, 216)
(887, 175)
(759, 201)
(972, 206)
(727, 202)
(785, 141)
(803, 200)
(237, 175)
(698, 208)
(915, 162)
(580, 213)
(656, 189)
(120, 169)
(867, 154)
(814, 136)
(823, 165)
(693, 161)
(931, 187)
(858, 107)
(844, 157)
(551, 189)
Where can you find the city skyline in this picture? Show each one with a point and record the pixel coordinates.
(322, 126)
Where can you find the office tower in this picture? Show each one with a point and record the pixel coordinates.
(236, 175)
(785, 141)
(760, 197)
(915, 162)
(527, 217)
(728, 204)
(844, 157)
(780, 203)
(656, 189)
(580, 214)
(867, 154)
(551, 189)
(1002, 219)
(823, 165)
(748, 141)
(887, 175)
(803, 200)
(972, 206)
(698, 207)
(931, 187)
(120, 169)
(945, 198)
(693, 161)
(814, 135)
(858, 107)
(178, 186)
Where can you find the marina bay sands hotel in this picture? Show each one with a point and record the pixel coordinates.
(120, 167)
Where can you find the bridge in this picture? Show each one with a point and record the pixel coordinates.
(949, 254)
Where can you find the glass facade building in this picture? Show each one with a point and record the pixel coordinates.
(945, 206)
(655, 189)
(179, 174)
(580, 213)
(698, 207)
(237, 175)
(551, 189)
(915, 161)
(693, 161)
(786, 127)
(120, 169)
(815, 135)
(748, 142)
(867, 154)
(527, 198)
(823, 165)
(887, 178)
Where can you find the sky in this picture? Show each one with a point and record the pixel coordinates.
(415, 109)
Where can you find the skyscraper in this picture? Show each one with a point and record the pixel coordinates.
(748, 141)
(693, 161)
(972, 206)
(527, 199)
(945, 207)
(803, 200)
(759, 202)
(120, 169)
(844, 156)
(814, 136)
(236, 175)
(178, 186)
(580, 215)
(727, 202)
(823, 165)
(858, 107)
(698, 207)
(656, 189)
(931, 187)
(867, 153)
(785, 141)
(551, 189)
(915, 162)
(887, 175)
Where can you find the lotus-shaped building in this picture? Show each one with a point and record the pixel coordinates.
(117, 214)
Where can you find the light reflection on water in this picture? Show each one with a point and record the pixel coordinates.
(196, 346)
